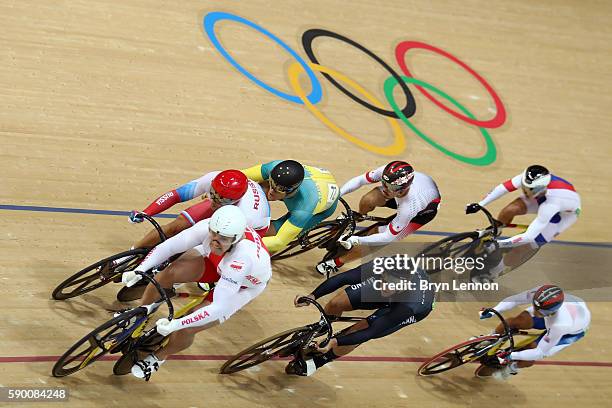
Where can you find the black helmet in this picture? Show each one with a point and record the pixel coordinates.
(287, 176)
(397, 175)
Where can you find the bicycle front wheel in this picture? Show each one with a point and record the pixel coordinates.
(99, 342)
(458, 355)
(280, 345)
(99, 274)
(455, 246)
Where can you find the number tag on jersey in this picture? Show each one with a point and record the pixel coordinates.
(332, 195)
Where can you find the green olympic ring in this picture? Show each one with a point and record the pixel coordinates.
(484, 160)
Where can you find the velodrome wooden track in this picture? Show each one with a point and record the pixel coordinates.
(104, 105)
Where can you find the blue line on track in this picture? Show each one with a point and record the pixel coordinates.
(126, 213)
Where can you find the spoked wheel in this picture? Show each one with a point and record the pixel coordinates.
(317, 236)
(99, 342)
(455, 356)
(455, 246)
(280, 345)
(99, 274)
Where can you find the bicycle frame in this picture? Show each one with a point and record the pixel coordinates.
(506, 341)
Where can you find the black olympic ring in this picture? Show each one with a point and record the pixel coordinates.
(310, 35)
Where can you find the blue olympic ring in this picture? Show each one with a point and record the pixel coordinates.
(209, 26)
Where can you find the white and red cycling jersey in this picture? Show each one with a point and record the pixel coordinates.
(556, 210)
(254, 204)
(244, 271)
(414, 209)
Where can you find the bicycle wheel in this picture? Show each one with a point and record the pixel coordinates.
(455, 246)
(317, 236)
(455, 356)
(99, 342)
(99, 274)
(280, 345)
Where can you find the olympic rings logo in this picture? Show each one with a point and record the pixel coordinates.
(368, 100)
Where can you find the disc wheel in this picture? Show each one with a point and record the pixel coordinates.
(280, 345)
(99, 274)
(99, 342)
(458, 355)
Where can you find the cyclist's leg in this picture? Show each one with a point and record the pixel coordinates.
(522, 321)
(559, 223)
(519, 206)
(186, 219)
(372, 199)
(187, 268)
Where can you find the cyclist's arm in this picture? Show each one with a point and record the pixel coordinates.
(184, 193)
(512, 301)
(545, 213)
(288, 231)
(351, 277)
(229, 298)
(549, 340)
(181, 242)
(260, 172)
(377, 327)
(361, 180)
(502, 189)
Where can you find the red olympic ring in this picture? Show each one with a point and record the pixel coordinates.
(500, 117)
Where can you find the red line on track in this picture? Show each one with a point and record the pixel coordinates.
(380, 359)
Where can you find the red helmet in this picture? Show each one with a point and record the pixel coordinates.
(229, 186)
(548, 299)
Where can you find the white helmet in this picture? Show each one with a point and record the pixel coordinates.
(535, 180)
(228, 221)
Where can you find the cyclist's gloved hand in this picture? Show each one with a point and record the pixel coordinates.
(300, 304)
(130, 278)
(503, 357)
(472, 208)
(484, 314)
(135, 217)
(349, 242)
(165, 326)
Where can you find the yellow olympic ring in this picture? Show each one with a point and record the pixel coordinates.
(399, 143)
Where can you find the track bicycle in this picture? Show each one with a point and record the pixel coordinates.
(126, 333)
(109, 270)
(477, 244)
(290, 343)
(481, 349)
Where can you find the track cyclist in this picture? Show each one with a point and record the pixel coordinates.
(565, 318)
(414, 195)
(220, 188)
(310, 194)
(368, 290)
(553, 199)
(221, 250)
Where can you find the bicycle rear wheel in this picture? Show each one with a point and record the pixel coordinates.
(280, 345)
(458, 355)
(455, 246)
(99, 342)
(99, 274)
